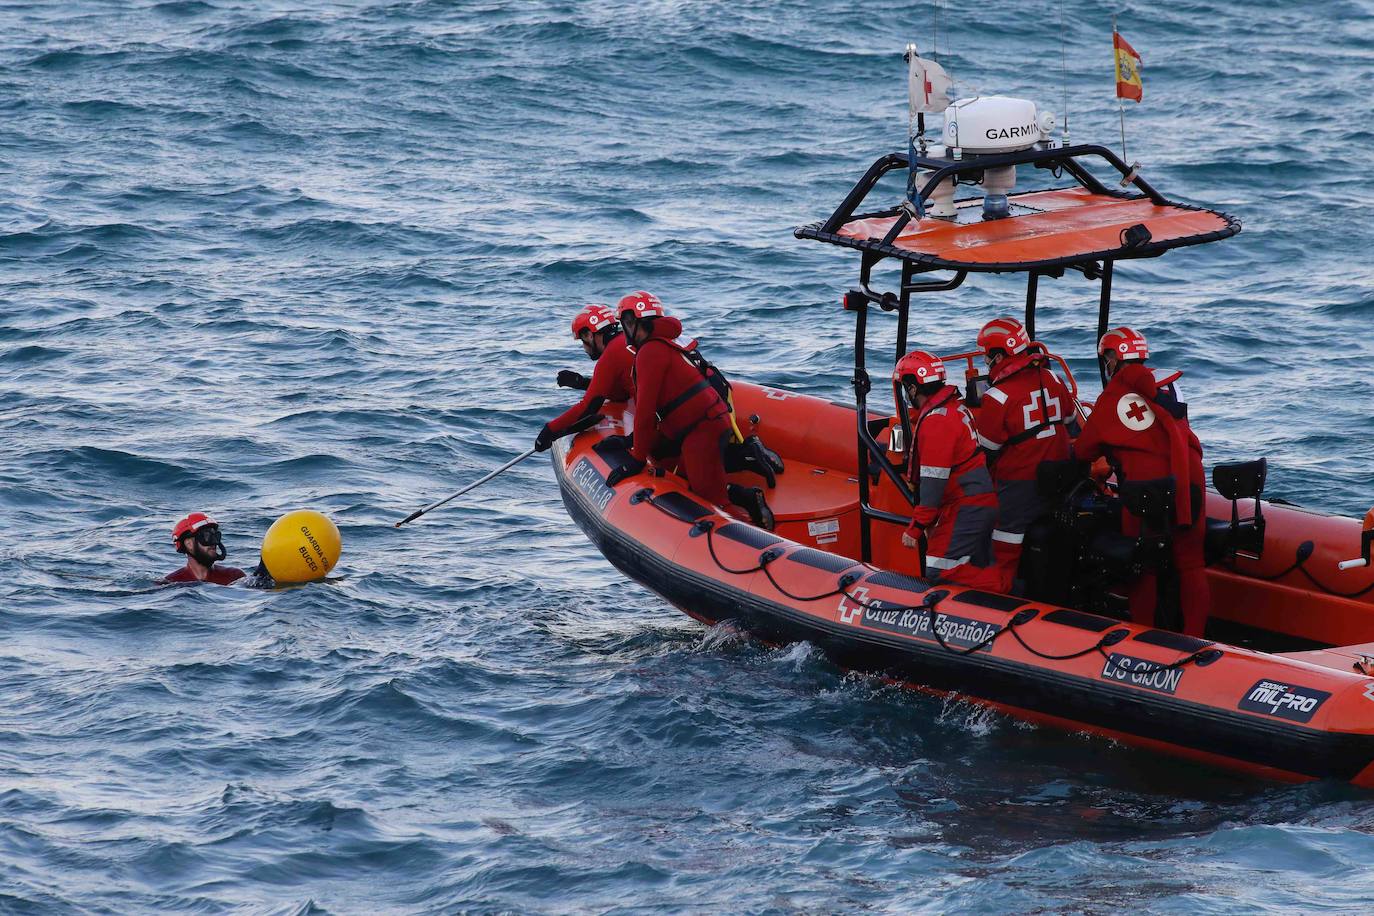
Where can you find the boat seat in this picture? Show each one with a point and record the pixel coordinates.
(1235, 481)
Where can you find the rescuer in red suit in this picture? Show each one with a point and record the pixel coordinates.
(674, 401)
(1142, 429)
(198, 536)
(955, 506)
(595, 326)
(1025, 417)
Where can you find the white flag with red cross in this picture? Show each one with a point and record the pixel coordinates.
(929, 85)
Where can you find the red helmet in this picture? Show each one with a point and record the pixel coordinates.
(1003, 334)
(190, 525)
(593, 317)
(1126, 343)
(922, 366)
(641, 305)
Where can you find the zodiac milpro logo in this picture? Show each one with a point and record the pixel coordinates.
(1285, 701)
(1141, 672)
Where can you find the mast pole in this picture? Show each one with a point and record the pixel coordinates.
(915, 123)
(1120, 105)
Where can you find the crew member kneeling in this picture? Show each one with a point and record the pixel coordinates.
(673, 400)
(596, 328)
(1024, 419)
(955, 506)
(198, 536)
(1142, 429)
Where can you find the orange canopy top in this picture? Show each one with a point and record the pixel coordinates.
(1054, 227)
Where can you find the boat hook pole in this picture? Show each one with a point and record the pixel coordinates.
(585, 423)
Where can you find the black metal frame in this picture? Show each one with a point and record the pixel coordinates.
(1057, 159)
(1094, 266)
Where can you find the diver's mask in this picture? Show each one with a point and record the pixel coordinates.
(208, 536)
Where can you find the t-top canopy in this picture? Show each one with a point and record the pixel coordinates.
(1052, 228)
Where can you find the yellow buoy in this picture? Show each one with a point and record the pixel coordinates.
(301, 546)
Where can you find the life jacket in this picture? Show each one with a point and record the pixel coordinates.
(1036, 359)
(1156, 442)
(946, 400)
(710, 377)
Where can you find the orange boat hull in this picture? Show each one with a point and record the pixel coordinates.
(1306, 714)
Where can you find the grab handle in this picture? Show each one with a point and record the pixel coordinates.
(1366, 543)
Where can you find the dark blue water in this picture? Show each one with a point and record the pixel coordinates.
(256, 256)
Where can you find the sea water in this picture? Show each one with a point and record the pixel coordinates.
(267, 255)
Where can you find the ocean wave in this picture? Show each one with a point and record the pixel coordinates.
(258, 258)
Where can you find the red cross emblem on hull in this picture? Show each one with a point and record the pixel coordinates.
(853, 614)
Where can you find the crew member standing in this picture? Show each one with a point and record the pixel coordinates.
(596, 328)
(675, 400)
(1142, 429)
(1025, 417)
(955, 506)
(198, 536)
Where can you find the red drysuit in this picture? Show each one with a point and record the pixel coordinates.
(674, 401)
(611, 381)
(1141, 428)
(955, 506)
(1023, 420)
(219, 575)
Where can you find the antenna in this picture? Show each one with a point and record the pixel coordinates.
(935, 37)
(914, 115)
(918, 130)
(1120, 105)
(1064, 71)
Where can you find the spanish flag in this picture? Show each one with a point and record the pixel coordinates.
(1128, 84)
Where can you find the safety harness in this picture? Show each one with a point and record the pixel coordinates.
(952, 394)
(711, 377)
(1031, 432)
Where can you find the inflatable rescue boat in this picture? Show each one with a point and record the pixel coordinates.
(1284, 684)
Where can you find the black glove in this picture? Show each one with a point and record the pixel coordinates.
(625, 442)
(544, 439)
(630, 468)
(570, 379)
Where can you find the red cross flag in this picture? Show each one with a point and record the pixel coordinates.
(1128, 85)
(929, 85)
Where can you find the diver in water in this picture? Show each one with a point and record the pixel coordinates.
(595, 326)
(1142, 429)
(198, 536)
